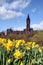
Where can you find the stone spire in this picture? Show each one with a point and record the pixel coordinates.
(28, 23)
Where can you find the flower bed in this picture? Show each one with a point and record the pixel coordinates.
(20, 52)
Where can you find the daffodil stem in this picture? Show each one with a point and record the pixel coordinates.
(3, 58)
(6, 62)
(0, 55)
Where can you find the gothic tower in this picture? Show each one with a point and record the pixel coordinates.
(28, 23)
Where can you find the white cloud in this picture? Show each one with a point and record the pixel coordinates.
(38, 26)
(7, 14)
(6, 8)
(34, 26)
(34, 10)
(19, 4)
(2, 2)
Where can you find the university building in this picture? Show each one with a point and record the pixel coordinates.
(14, 34)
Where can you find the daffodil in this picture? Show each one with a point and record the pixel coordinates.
(9, 61)
(33, 44)
(21, 63)
(18, 54)
(9, 45)
(2, 41)
(39, 49)
(37, 45)
(28, 45)
(19, 43)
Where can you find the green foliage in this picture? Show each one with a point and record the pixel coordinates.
(31, 57)
(38, 37)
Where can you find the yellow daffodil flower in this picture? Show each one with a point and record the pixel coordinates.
(18, 54)
(9, 61)
(39, 49)
(21, 63)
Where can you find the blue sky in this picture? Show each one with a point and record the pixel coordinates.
(13, 14)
